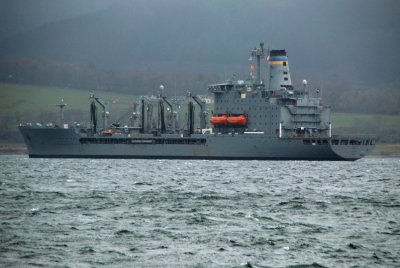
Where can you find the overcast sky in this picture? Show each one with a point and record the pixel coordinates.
(21, 15)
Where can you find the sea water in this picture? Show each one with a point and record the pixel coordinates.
(197, 213)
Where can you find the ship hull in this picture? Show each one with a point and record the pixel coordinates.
(66, 143)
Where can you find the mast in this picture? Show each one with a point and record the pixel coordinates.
(61, 104)
(161, 120)
(93, 117)
(203, 113)
(103, 105)
(258, 53)
(191, 117)
(173, 113)
(142, 113)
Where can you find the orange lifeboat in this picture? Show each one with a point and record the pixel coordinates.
(219, 120)
(240, 120)
(107, 132)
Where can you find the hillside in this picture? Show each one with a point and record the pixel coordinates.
(19, 98)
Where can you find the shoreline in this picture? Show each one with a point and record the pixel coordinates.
(13, 148)
(381, 150)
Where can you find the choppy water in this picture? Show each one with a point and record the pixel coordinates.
(176, 213)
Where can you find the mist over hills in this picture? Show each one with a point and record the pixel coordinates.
(18, 16)
(347, 41)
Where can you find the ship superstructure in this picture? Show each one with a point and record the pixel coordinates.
(272, 107)
(260, 117)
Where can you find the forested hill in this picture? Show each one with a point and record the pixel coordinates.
(326, 40)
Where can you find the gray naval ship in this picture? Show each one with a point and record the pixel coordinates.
(260, 118)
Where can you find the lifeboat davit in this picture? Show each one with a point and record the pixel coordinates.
(219, 120)
(238, 120)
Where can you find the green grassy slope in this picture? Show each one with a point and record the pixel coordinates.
(386, 127)
(15, 98)
(348, 119)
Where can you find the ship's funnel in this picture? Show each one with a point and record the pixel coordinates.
(279, 75)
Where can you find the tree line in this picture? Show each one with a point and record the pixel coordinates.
(135, 82)
(342, 97)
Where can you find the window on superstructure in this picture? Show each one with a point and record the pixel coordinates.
(263, 94)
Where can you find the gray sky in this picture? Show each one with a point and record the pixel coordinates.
(22, 15)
